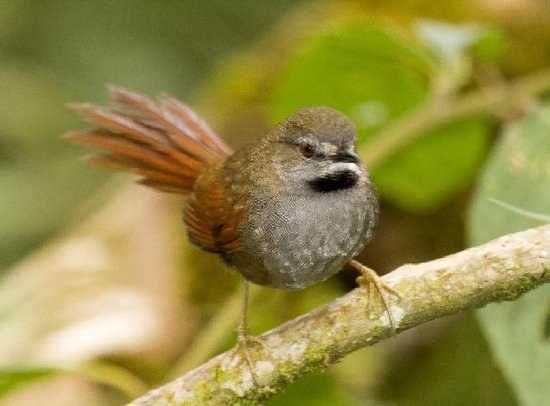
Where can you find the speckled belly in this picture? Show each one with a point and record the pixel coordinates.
(295, 246)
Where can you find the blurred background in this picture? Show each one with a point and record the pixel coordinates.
(102, 298)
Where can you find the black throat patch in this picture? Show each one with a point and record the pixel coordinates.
(335, 181)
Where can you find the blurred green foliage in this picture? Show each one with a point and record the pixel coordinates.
(447, 373)
(365, 69)
(12, 379)
(518, 173)
(249, 64)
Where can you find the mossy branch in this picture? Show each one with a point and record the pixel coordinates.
(500, 270)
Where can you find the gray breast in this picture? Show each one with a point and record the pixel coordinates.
(293, 243)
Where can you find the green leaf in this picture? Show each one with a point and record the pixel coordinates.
(424, 174)
(376, 77)
(13, 378)
(360, 68)
(518, 173)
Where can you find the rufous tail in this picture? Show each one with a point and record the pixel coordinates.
(166, 143)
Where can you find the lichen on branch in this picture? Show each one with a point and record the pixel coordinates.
(500, 270)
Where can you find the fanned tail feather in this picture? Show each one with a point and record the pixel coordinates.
(167, 144)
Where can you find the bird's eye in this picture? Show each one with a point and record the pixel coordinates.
(307, 149)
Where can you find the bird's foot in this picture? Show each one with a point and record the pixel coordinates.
(246, 342)
(370, 279)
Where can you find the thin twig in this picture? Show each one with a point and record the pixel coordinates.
(436, 111)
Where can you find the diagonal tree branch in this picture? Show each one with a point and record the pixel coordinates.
(500, 270)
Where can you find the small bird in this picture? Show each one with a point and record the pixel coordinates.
(287, 211)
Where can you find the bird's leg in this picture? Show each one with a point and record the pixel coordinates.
(370, 279)
(244, 339)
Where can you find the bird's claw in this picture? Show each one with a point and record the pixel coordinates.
(369, 279)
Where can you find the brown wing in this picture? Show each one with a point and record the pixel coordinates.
(165, 142)
(212, 223)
